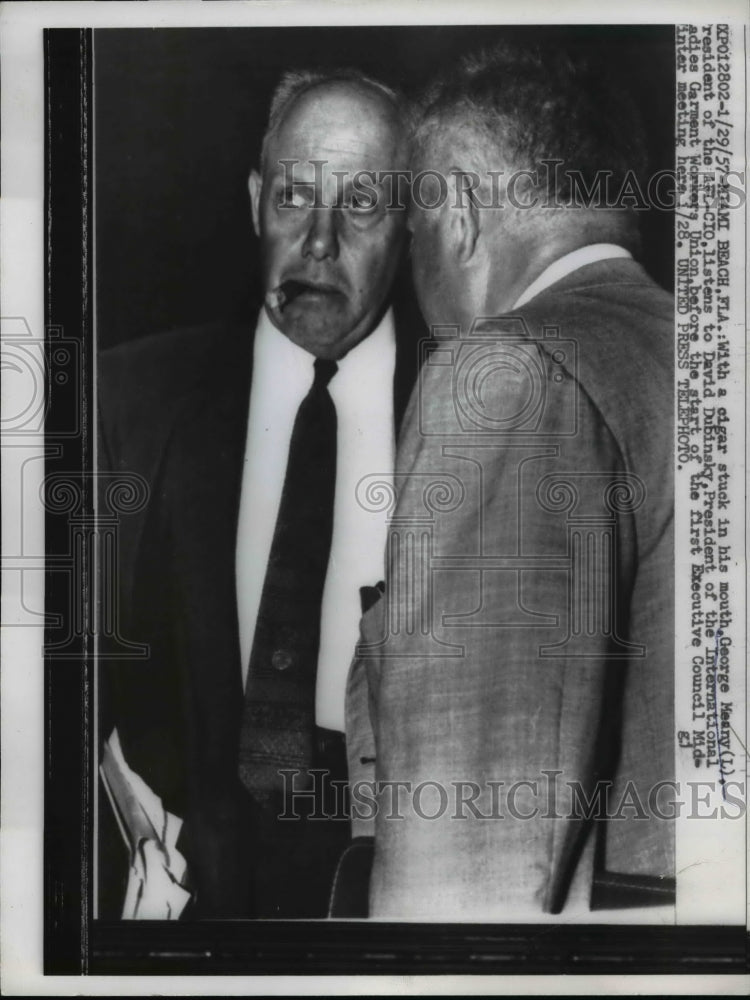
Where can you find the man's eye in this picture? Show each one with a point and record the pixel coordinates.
(296, 197)
(362, 202)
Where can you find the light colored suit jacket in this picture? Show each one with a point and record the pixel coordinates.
(521, 660)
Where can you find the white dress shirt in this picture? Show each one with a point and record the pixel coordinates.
(566, 265)
(362, 392)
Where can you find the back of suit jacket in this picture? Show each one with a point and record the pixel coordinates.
(547, 674)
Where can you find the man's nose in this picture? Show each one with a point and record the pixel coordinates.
(322, 237)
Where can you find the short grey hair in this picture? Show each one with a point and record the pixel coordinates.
(295, 83)
(521, 106)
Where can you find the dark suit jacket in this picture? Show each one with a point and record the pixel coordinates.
(487, 692)
(173, 409)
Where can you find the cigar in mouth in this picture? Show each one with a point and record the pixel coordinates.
(279, 298)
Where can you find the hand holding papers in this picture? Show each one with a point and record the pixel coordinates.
(157, 869)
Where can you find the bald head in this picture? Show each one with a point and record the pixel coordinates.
(295, 84)
(335, 116)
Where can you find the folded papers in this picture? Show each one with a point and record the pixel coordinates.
(156, 889)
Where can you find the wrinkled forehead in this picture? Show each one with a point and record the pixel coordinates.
(350, 126)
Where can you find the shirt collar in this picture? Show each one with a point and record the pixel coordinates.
(565, 265)
(371, 354)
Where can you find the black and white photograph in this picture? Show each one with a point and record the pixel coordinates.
(390, 472)
(266, 177)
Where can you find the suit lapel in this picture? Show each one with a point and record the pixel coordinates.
(203, 478)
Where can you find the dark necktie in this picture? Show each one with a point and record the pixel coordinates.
(279, 713)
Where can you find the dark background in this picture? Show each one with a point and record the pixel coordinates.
(179, 114)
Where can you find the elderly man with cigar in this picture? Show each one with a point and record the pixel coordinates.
(242, 573)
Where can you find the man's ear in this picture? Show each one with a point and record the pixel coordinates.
(464, 212)
(254, 185)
